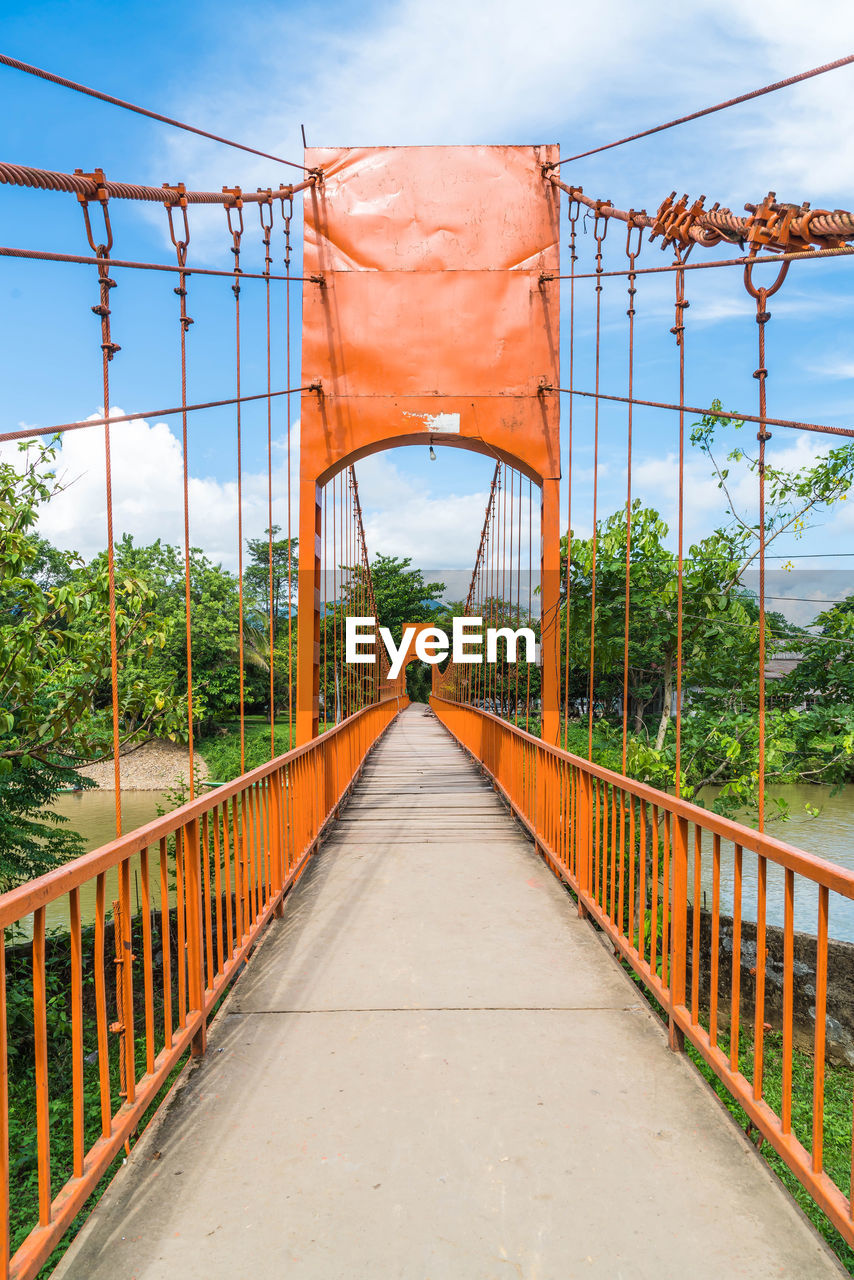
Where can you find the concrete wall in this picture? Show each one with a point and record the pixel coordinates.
(840, 983)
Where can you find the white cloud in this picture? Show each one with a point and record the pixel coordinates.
(147, 493)
(467, 71)
(405, 518)
(836, 367)
(654, 481)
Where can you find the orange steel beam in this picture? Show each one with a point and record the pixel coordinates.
(434, 318)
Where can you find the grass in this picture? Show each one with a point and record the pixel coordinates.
(838, 1094)
(839, 1081)
(221, 751)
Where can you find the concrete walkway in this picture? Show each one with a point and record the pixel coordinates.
(432, 1070)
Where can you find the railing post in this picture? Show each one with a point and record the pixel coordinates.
(540, 786)
(582, 837)
(193, 892)
(276, 835)
(678, 929)
(5, 1249)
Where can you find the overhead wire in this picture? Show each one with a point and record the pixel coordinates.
(734, 415)
(799, 78)
(25, 433)
(17, 65)
(44, 255)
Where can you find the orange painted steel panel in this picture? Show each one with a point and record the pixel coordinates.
(432, 209)
(434, 315)
(432, 259)
(465, 333)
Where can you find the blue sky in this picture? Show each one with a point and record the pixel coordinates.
(416, 72)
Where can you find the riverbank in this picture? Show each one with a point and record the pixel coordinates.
(157, 765)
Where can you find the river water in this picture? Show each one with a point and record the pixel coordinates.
(93, 814)
(830, 836)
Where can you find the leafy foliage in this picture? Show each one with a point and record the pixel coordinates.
(809, 714)
(55, 664)
(214, 612)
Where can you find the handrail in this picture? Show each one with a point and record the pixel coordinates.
(830, 874)
(209, 877)
(628, 853)
(27, 897)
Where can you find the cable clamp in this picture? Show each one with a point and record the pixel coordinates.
(675, 220)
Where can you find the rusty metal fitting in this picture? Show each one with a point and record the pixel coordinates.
(179, 190)
(676, 219)
(266, 204)
(635, 222)
(316, 385)
(319, 279)
(181, 245)
(96, 177)
(763, 293)
(601, 214)
(235, 227)
(779, 227)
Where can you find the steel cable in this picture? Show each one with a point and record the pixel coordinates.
(16, 65)
(720, 106)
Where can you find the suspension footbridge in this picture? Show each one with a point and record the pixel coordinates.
(426, 993)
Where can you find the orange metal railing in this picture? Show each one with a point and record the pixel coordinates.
(174, 909)
(630, 854)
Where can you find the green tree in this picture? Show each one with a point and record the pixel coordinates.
(720, 636)
(826, 671)
(214, 613)
(55, 664)
(402, 595)
(256, 575)
(261, 618)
